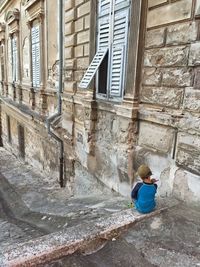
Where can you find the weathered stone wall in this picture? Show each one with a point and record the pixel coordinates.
(98, 134)
(39, 150)
(25, 105)
(170, 98)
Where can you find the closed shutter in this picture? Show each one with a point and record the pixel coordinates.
(14, 59)
(103, 43)
(104, 7)
(119, 47)
(35, 36)
(2, 63)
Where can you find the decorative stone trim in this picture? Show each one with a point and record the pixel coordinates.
(2, 33)
(12, 19)
(35, 9)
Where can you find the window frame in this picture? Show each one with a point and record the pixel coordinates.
(2, 62)
(110, 15)
(14, 58)
(37, 45)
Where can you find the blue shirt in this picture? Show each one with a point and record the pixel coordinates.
(144, 196)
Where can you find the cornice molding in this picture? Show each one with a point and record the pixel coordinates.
(35, 9)
(12, 15)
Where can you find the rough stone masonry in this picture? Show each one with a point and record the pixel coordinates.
(157, 120)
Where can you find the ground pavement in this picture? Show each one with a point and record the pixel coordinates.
(41, 224)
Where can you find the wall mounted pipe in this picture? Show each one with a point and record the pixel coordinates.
(59, 104)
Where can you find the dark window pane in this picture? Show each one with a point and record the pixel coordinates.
(103, 76)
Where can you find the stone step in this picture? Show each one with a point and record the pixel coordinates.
(68, 241)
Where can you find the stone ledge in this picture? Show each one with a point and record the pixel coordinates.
(57, 245)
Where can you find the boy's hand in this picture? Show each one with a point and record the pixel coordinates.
(154, 180)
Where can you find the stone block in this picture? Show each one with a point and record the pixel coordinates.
(83, 9)
(152, 76)
(152, 3)
(182, 33)
(168, 97)
(69, 86)
(86, 50)
(197, 9)
(87, 22)
(192, 100)
(186, 186)
(83, 37)
(79, 2)
(69, 28)
(188, 152)
(173, 12)
(155, 38)
(177, 77)
(70, 15)
(68, 52)
(78, 51)
(70, 64)
(194, 55)
(166, 57)
(70, 40)
(69, 4)
(82, 63)
(156, 137)
(79, 25)
(197, 78)
(68, 75)
(78, 75)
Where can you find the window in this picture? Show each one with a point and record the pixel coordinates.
(35, 48)
(14, 58)
(2, 63)
(112, 41)
(21, 141)
(8, 129)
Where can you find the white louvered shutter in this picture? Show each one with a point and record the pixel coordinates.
(33, 55)
(91, 71)
(35, 33)
(119, 47)
(14, 59)
(103, 42)
(37, 52)
(104, 7)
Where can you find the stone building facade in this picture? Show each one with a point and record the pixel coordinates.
(130, 91)
(25, 103)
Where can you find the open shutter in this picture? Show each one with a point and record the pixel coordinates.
(119, 47)
(91, 71)
(103, 43)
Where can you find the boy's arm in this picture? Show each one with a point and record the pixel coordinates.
(135, 190)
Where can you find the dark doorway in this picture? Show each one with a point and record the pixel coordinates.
(21, 141)
(8, 129)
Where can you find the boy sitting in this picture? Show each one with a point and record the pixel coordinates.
(144, 192)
